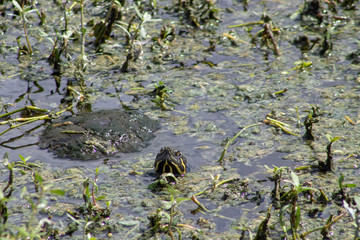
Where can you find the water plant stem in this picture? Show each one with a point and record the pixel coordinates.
(26, 35)
(30, 119)
(83, 30)
(280, 125)
(233, 139)
(28, 108)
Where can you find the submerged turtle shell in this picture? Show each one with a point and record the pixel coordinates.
(93, 135)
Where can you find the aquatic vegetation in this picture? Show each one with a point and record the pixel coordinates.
(310, 119)
(269, 34)
(197, 13)
(277, 190)
(166, 36)
(102, 54)
(32, 227)
(328, 164)
(90, 216)
(326, 44)
(262, 232)
(162, 94)
(102, 30)
(164, 222)
(341, 194)
(305, 44)
(313, 9)
(291, 196)
(23, 11)
(283, 126)
(354, 211)
(18, 122)
(230, 141)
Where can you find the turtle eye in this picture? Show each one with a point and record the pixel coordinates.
(177, 154)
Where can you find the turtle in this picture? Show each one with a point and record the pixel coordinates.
(170, 160)
(93, 135)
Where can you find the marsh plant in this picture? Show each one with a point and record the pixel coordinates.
(310, 119)
(262, 232)
(341, 194)
(354, 211)
(162, 94)
(164, 222)
(90, 216)
(328, 165)
(23, 11)
(32, 227)
(276, 178)
(198, 13)
(291, 196)
(103, 29)
(134, 33)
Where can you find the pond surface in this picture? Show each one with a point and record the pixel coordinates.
(214, 94)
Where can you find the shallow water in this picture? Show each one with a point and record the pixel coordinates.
(209, 104)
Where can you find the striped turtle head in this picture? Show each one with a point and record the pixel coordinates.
(170, 160)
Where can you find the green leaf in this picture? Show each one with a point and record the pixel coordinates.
(295, 179)
(307, 64)
(152, 186)
(350, 185)
(16, 4)
(341, 180)
(100, 198)
(267, 167)
(58, 192)
(22, 158)
(124, 29)
(79, 222)
(138, 12)
(154, 3)
(281, 216)
(167, 215)
(142, 31)
(250, 235)
(306, 189)
(83, 30)
(38, 178)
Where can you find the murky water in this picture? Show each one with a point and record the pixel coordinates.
(210, 103)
